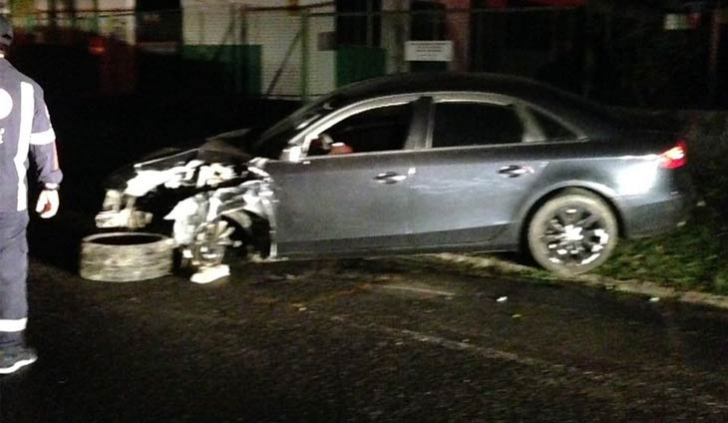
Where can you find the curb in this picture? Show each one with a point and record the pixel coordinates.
(638, 287)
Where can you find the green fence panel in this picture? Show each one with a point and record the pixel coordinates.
(359, 63)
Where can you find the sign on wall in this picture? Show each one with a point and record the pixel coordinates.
(428, 51)
(681, 21)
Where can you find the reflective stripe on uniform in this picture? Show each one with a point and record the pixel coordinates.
(13, 325)
(27, 110)
(43, 138)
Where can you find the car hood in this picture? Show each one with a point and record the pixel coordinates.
(226, 149)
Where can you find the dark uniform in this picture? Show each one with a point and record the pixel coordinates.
(25, 133)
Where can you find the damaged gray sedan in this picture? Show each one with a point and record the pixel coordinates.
(419, 163)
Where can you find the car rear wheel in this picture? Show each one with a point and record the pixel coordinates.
(572, 233)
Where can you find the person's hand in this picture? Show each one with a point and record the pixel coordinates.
(48, 203)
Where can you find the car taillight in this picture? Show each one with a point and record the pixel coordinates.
(675, 157)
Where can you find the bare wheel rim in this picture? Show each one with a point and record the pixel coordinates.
(575, 236)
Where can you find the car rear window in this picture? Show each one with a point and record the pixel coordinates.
(469, 124)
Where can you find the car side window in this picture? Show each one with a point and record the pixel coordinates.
(553, 130)
(379, 129)
(468, 124)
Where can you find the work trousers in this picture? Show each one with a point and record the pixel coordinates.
(13, 277)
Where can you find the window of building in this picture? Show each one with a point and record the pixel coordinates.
(428, 21)
(358, 22)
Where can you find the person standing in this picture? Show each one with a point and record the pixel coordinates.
(26, 134)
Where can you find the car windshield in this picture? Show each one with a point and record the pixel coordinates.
(274, 140)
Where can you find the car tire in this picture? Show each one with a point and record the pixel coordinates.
(125, 256)
(572, 233)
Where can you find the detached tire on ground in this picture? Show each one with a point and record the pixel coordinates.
(125, 256)
(572, 233)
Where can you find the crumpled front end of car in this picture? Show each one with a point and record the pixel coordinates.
(198, 203)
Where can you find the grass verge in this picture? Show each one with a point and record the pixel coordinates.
(691, 258)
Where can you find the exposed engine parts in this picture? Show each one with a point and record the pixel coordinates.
(118, 212)
(201, 229)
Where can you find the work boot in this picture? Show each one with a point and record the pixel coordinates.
(13, 358)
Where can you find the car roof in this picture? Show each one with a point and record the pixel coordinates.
(593, 118)
(431, 81)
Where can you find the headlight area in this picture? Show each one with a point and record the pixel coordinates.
(200, 207)
(118, 211)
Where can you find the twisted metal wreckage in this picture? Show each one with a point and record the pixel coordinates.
(209, 188)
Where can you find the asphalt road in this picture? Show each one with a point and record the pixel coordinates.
(368, 340)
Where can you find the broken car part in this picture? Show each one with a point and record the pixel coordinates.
(200, 222)
(125, 256)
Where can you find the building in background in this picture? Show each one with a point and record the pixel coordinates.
(272, 47)
(110, 18)
(300, 49)
(275, 48)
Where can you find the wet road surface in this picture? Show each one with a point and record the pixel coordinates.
(361, 340)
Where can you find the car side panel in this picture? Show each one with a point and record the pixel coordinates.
(338, 205)
(463, 196)
(459, 197)
(646, 198)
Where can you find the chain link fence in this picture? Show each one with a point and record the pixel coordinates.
(301, 53)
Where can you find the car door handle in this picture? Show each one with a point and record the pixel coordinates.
(514, 171)
(389, 178)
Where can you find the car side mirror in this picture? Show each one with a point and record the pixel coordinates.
(292, 154)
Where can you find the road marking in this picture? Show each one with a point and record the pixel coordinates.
(456, 345)
(606, 378)
(425, 291)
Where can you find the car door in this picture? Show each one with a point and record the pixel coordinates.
(338, 204)
(483, 156)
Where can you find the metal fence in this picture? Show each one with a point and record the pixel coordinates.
(305, 52)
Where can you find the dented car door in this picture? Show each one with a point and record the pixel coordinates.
(476, 172)
(341, 204)
(333, 203)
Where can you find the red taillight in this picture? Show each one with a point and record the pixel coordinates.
(675, 157)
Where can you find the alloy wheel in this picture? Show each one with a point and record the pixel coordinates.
(575, 236)
(572, 233)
